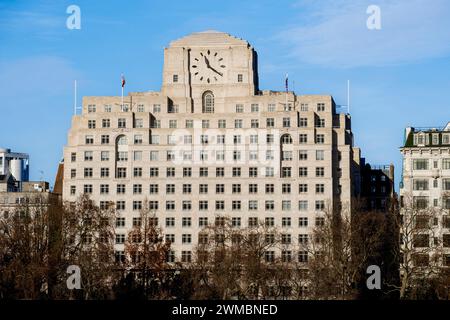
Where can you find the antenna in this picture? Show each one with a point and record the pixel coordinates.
(348, 96)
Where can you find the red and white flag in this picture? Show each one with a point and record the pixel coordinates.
(123, 80)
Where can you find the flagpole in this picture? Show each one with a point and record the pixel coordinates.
(348, 96)
(287, 89)
(75, 98)
(121, 107)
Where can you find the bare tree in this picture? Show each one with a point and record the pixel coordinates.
(24, 250)
(146, 255)
(420, 250)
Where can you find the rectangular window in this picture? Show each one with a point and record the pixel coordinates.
(420, 164)
(121, 123)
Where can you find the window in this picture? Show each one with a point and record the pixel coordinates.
(236, 205)
(137, 188)
(202, 221)
(286, 122)
(208, 102)
(92, 108)
(203, 205)
(254, 107)
(239, 108)
(271, 107)
(239, 77)
(252, 205)
(154, 172)
(286, 172)
(172, 124)
(446, 164)
(205, 124)
(320, 123)
(420, 164)
(302, 171)
(320, 205)
(320, 171)
(303, 256)
(320, 221)
(156, 108)
(269, 222)
(137, 155)
(320, 107)
(122, 156)
(269, 256)
(270, 188)
(236, 172)
(254, 123)
(88, 156)
(170, 222)
(320, 188)
(88, 172)
(286, 205)
(270, 172)
(420, 184)
(175, 78)
(270, 205)
(121, 173)
(189, 124)
(138, 123)
(186, 256)
(170, 172)
(238, 123)
(120, 205)
(89, 139)
(222, 124)
(187, 172)
(91, 124)
(220, 205)
(121, 123)
(270, 122)
(203, 188)
(252, 222)
(186, 238)
(107, 108)
(320, 155)
(220, 172)
(320, 138)
(286, 222)
(120, 189)
(304, 107)
(303, 222)
(172, 108)
(303, 122)
(303, 188)
(302, 205)
(303, 138)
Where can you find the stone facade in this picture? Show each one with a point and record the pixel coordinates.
(211, 144)
(426, 182)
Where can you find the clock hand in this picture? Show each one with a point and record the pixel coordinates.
(219, 73)
(207, 62)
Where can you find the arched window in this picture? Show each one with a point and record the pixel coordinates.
(208, 102)
(122, 140)
(286, 139)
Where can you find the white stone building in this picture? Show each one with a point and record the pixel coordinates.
(211, 144)
(426, 186)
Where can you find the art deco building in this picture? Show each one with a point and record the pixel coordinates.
(426, 183)
(211, 144)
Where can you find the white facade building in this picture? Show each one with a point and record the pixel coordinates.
(211, 144)
(426, 184)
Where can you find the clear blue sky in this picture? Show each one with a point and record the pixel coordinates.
(400, 74)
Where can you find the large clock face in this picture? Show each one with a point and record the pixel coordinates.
(208, 66)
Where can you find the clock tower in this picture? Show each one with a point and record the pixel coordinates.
(209, 62)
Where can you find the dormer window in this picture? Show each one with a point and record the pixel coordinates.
(435, 138)
(420, 139)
